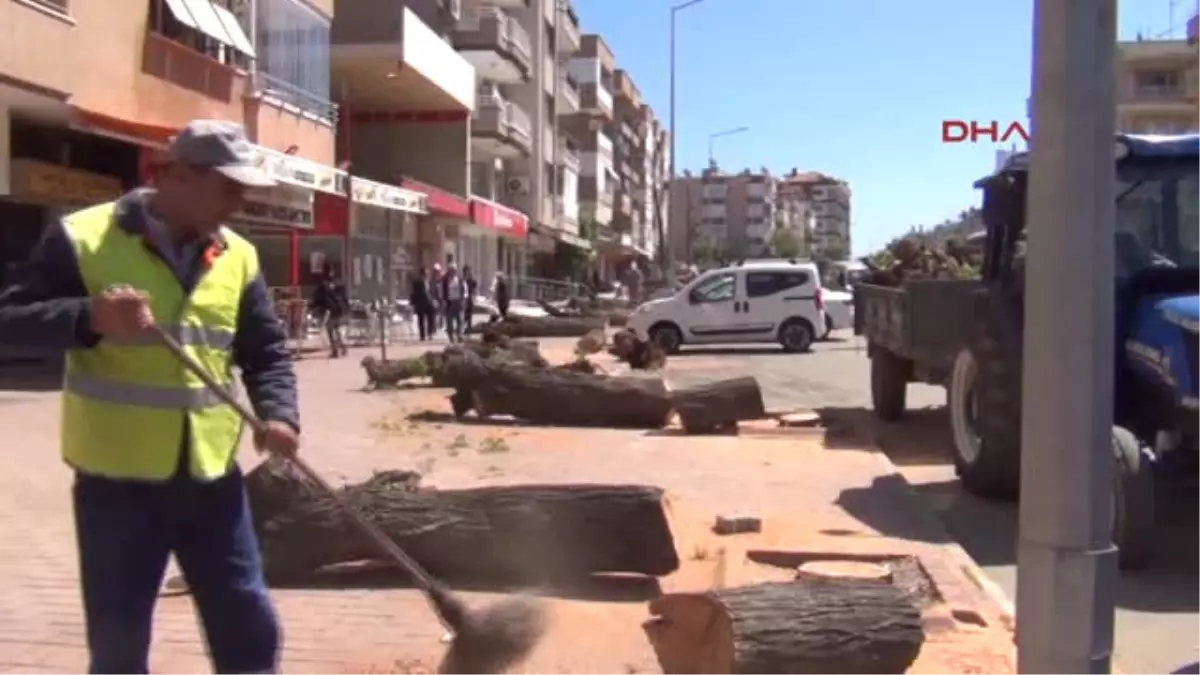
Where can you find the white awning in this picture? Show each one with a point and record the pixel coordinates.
(234, 28)
(179, 10)
(207, 21)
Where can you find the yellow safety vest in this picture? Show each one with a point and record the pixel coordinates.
(124, 403)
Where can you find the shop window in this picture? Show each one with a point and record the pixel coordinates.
(274, 258)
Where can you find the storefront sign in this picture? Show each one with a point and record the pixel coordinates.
(52, 183)
(301, 172)
(387, 196)
(279, 206)
(499, 218)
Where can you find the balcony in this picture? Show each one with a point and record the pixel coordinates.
(568, 157)
(625, 89)
(500, 128)
(186, 68)
(595, 99)
(1159, 97)
(568, 96)
(505, 4)
(623, 204)
(570, 38)
(495, 44)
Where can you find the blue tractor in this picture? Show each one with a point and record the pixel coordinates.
(1157, 316)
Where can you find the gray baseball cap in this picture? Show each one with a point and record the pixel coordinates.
(222, 146)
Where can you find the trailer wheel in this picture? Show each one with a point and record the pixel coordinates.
(1133, 501)
(889, 384)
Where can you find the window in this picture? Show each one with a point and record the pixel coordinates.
(293, 55)
(1159, 80)
(203, 26)
(717, 288)
(762, 284)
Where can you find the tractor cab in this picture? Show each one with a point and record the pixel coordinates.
(1156, 269)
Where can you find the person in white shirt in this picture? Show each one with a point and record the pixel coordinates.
(454, 295)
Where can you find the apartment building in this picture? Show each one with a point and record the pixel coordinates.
(828, 200)
(1157, 86)
(593, 69)
(90, 96)
(721, 216)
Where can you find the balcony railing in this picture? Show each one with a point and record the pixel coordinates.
(182, 66)
(569, 35)
(489, 26)
(1157, 94)
(513, 121)
(568, 92)
(595, 97)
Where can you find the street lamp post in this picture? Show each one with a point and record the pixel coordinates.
(1067, 565)
(721, 134)
(664, 236)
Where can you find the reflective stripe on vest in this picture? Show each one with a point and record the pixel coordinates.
(141, 395)
(189, 335)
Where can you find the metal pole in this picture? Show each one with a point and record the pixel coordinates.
(1067, 564)
(664, 229)
(721, 134)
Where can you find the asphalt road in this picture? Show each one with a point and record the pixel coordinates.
(1157, 621)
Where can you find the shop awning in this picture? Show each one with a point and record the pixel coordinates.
(129, 131)
(213, 22)
(439, 201)
(363, 191)
(233, 27)
(302, 173)
(565, 237)
(499, 218)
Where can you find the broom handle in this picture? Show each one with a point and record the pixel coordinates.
(365, 526)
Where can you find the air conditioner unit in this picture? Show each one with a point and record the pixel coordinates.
(518, 185)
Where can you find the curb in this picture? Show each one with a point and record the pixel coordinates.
(966, 564)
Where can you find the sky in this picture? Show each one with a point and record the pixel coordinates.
(853, 88)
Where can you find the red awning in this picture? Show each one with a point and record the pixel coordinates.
(138, 133)
(499, 218)
(438, 200)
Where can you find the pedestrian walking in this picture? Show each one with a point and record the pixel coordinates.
(422, 304)
(435, 293)
(331, 300)
(152, 450)
(454, 293)
(500, 294)
(469, 303)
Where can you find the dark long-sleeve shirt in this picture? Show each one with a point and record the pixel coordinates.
(47, 306)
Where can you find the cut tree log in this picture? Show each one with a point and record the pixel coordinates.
(718, 405)
(493, 347)
(510, 533)
(383, 374)
(558, 396)
(540, 326)
(810, 626)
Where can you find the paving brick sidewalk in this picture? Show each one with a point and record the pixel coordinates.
(809, 495)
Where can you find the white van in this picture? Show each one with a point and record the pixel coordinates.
(757, 301)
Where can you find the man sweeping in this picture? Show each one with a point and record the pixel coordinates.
(153, 451)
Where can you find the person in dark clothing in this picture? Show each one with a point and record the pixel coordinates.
(469, 301)
(422, 304)
(331, 301)
(454, 292)
(500, 294)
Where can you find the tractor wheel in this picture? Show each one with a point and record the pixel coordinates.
(1133, 501)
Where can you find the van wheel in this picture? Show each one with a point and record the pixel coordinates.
(796, 335)
(667, 337)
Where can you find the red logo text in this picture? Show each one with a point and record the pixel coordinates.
(971, 131)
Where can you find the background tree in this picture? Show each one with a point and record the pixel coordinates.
(786, 243)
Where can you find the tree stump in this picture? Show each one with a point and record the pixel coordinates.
(718, 405)
(812, 626)
(518, 533)
(559, 396)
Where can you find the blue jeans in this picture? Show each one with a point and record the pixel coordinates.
(126, 531)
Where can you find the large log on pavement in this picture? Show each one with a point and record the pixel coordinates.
(509, 533)
(493, 346)
(555, 396)
(718, 405)
(811, 626)
(541, 326)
